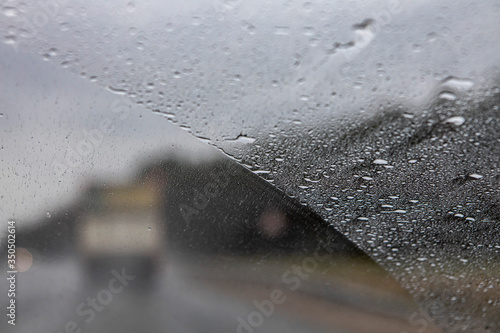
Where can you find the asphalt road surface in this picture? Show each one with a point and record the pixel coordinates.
(189, 296)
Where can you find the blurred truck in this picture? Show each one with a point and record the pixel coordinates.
(122, 226)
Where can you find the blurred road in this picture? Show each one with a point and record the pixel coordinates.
(183, 297)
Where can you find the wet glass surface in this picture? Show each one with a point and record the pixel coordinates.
(125, 231)
(251, 167)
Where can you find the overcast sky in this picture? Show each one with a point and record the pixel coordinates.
(46, 113)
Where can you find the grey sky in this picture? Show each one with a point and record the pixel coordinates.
(46, 110)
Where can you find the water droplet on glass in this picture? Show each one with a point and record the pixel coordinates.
(449, 96)
(248, 27)
(281, 30)
(117, 91)
(64, 26)
(308, 31)
(165, 114)
(10, 39)
(456, 83)
(456, 120)
(380, 161)
(241, 139)
(9, 11)
(197, 20)
(364, 33)
(52, 52)
(130, 7)
(431, 37)
(416, 48)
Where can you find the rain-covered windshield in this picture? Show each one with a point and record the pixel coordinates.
(212, 146)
